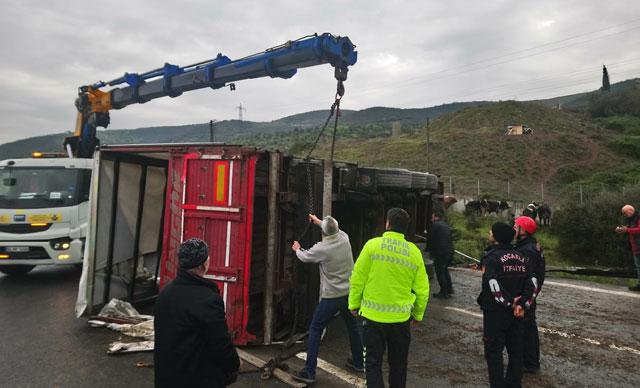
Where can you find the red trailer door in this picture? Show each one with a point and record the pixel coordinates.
(217, 206)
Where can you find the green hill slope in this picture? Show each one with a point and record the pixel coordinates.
(565, 150)
(234, 131)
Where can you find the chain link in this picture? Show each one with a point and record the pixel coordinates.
(335, 110)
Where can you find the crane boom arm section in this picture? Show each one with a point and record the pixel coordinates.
(282, 61)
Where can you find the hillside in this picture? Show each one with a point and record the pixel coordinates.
(565, 151)
(569, 152)
(234, 131)
(580, 101)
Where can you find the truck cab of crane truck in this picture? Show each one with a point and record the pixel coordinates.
(44, 211)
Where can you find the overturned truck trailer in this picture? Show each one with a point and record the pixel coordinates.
(248, 205)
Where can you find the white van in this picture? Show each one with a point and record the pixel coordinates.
(44, 210)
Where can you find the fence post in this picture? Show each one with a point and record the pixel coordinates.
(478, 187)
(580, 194)
(542, 191)
(450, 184)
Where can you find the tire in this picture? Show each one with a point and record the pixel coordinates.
(396, 178)
(16, 270)
(419, 180)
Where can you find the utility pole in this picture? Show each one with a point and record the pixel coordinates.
(211, 136)
(542, 191)
(240, 108)
(428, 144)
(450, 184)
(478, 188)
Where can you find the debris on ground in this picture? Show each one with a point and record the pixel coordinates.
(122, 317)
(130, 347)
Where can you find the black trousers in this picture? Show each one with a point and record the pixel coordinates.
(502, 329)
(376, 337)
(442, 274)
(531, 355)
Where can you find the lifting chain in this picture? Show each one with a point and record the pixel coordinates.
(335, 110)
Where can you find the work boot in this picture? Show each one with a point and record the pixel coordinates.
(450, 291)
(353, 366)
(304, 376)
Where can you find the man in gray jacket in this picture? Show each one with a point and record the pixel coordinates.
(334, 256)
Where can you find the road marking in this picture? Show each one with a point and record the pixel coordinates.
(593, 289)
(559, 333)
(574, 286)
(477, 315)
(335, 371)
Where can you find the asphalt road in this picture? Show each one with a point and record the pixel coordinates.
(589, 338)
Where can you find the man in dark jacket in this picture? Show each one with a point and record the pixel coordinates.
(632, 229)
(192, 343)
(528, 246)
(440, 244)
(506, 287)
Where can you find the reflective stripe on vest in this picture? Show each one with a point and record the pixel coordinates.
(387, 308)
(394, 260)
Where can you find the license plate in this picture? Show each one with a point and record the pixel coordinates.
(17, 249)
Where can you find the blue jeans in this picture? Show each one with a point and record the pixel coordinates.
(325, 310)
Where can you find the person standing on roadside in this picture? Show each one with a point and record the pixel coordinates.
(440, 246)
(389, 289)
(632, 229)
(333, 254)
(528, 246)
(192, 343)
(506, 290)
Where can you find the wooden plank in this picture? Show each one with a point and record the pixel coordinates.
(279, 373)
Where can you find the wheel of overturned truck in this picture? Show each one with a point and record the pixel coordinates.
(16, 270)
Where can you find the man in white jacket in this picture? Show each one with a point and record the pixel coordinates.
(333, 254)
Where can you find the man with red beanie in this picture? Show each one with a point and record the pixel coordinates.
(527, 245)
(632, 229)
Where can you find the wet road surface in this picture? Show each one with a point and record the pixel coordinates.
(590, 337)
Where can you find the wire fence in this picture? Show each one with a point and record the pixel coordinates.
(517, 192)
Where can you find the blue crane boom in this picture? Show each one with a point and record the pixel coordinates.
(282, 61)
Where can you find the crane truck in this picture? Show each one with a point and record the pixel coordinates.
(44, 201)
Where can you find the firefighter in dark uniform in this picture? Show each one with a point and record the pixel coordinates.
(527, 245)
(506, 289)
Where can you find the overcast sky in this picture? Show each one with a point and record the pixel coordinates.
(410, 54)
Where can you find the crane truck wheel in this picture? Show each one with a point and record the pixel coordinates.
(16, 270)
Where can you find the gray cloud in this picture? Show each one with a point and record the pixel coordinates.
(411, 54)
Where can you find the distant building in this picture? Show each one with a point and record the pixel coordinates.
(514, 130)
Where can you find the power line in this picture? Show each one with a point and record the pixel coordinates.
(519, 58)
(558, 76)
(410, 81)
(416, 80)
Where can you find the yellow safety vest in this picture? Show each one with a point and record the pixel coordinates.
(389, 282)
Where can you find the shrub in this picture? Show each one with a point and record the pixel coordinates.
(586, 232)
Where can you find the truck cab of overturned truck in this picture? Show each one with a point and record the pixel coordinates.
(44, 209)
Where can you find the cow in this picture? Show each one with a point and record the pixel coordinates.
(449, 200)
(544, 214)
(531, 210)
(474, 207)
(495, 206)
